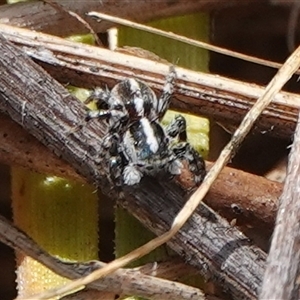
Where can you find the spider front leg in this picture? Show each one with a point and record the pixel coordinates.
(111, 160)
(131, 173)
(101, 98)
(183, 150)
(119, 160)
(109, 108)
(177, 128)
(168, 89)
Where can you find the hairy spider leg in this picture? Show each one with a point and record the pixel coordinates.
(168, 89)
(100, 96)
(111, 160)
(183, 150)
(109, 107)
(97, 114)
(177, 128)
(116, 118)
(131, 174)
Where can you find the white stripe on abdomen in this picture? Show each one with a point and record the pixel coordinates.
(149, 133)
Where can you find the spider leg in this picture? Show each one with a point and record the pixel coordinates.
(116, 170)
(131, 173)
(171, 165)
(177, 128)
(100, 96)
(97, 114)
(117, 117)
(111, 159)
(184, 151)
(164, 100)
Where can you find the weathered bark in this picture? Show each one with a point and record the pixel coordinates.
(17, 147)
(248, 200)
(47, 111)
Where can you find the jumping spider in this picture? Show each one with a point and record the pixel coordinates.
(136, 143)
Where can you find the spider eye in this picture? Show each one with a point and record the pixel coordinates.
(118, 107)
(138, 94)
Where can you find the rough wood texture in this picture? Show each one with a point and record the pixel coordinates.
(42, 17)
(250, 201)
(281, 279)
(17, 147)
(47, 111)
(221, 98)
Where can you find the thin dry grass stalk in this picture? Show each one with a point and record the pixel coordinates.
(42, 17)
(189, 41)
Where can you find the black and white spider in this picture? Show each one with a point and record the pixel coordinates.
(136, 143)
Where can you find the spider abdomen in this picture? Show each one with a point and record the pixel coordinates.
(147, 138)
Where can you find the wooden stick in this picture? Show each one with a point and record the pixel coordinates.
(218, 97)
(18, 147)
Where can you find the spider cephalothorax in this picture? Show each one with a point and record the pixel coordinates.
(130, 100)
(136, 143)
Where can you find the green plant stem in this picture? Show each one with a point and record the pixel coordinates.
(59, 215)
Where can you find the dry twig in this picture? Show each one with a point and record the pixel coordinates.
(221, 98)
(59, 8)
